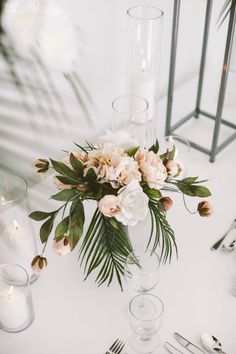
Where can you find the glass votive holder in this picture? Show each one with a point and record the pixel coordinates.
(17, 241)
(181, 153)
(146, 316)
(16, 306)
(142, 270)
(131, 115)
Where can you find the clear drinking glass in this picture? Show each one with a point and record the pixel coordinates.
(16, 307)
(142, 270)
(17, 241)
(131, 115)
(182, 151)
(145, 315)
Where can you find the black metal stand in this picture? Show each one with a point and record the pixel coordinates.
(215, 149)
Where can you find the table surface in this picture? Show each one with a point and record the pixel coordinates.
(75, 316)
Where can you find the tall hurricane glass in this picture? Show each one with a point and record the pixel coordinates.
(17, 241)
(144, 42)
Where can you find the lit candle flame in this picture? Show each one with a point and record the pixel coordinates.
(144, 65)
(16, 225)
(9, 295)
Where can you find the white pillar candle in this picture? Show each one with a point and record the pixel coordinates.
(13, 308)
(15, 238)
(142, 84)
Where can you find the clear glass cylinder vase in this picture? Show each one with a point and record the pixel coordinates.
(144, 39)
(131, 116)
(16, 306)
(17, 241)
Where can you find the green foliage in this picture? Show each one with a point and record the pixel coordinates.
(168, 155)
(91, 175)
(77, 165)
(65, 195)
(46, 229)
(155, 147)
(63, 169)
(76, 222)
(105, 247)
(62, 228)
(190, 186)
(161, 233)
(152, 193)
(67, 180)
(39, 215)
(132, 151)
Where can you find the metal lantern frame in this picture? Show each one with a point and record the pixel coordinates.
(215, 147)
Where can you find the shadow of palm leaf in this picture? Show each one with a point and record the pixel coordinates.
(39, 106)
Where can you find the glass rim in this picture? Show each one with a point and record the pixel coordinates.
(152, 252)
(130, 96)
(24, 190)
(17, 266)
(178, 137)
(150, 18)
(147, 295)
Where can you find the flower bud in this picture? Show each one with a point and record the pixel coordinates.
(38, 263)
(166, 203)
(62, 245)
(173, 168)
(205, 209)
(41, 165)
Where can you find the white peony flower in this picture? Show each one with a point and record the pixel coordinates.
(134, 204)
(152, 168)
(126, 171)
(119, 137)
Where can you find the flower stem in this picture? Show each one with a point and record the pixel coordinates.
(185, 204)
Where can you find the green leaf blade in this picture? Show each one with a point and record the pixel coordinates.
(40, 215)
(46, 229)
(65, 195)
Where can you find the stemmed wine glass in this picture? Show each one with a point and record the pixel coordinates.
(145, 315)
(142, 270)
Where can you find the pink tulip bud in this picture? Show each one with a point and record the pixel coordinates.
(205, 209)
(38, 263)
(166, 203)
(62, 246)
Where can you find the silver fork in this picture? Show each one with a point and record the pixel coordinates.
(116, 347)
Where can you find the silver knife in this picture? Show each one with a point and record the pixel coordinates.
(192, 348)
(172, 349)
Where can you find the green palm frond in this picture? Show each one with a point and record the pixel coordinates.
(105, 246)
(161, 233)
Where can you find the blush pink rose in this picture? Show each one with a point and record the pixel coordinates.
(109, 205)
(152, 168)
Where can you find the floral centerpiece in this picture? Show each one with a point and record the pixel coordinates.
(127, 182)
